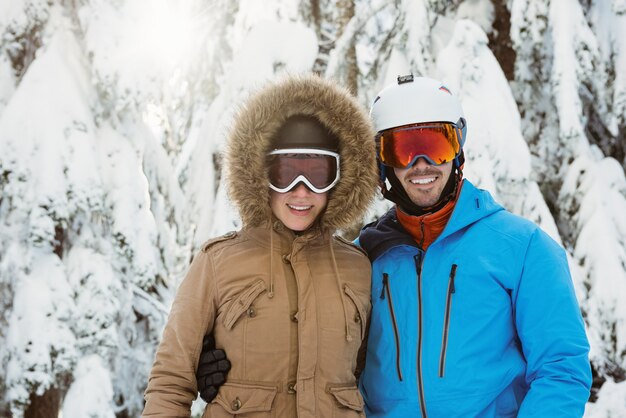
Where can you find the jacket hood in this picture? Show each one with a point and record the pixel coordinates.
(260, 117)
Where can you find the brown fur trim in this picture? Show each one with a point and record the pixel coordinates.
(261, 116)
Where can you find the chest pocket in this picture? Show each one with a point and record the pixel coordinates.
(361, 309)
(242, 303)
(242, 399)
(348, 402)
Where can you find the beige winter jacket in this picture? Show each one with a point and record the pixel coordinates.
(289, 310)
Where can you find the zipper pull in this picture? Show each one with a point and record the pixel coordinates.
(385, 284)
(418, 262)
(452, 275)
(423, 234)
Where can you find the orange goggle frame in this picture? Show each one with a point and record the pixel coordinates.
(400, 147)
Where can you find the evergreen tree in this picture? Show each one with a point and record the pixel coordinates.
(113, 118)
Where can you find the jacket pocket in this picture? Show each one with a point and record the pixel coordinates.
(446, 321)
(249, 400)
(348, 401)
(242, 303)
(394, 323)
(361, 312)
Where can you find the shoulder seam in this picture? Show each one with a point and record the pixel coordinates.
(349, 244)
(211, 242)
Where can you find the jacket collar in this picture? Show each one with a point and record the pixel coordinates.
(472, 205)
(283, 238)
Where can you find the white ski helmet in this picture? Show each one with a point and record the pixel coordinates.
(416, 100)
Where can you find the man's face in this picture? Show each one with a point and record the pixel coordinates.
(298, 208)
(424, 182)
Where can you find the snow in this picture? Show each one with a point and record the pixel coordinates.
(20, 14)
(570, 65)
(91, 391)
(38, 325)
(7, 82)
(133, 224)
(79, 231)
(111, 141)
(490, 108)
(598, 187)
(480, 12)
(609, 25)
(497, 157)
(297, 53)
(136, 46)
(611, 403)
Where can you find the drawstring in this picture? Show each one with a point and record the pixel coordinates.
(343, 303)
(270, 294)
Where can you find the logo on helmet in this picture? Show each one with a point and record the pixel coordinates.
(405, 79)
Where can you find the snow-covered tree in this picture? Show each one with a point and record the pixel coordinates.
(113, 116)
(570, 94)
(94, 235)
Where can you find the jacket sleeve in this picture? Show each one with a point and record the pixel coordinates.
(552, 334)
(172, 385)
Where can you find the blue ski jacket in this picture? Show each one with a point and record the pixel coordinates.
(485, 323)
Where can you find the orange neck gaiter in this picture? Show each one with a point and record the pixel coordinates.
(426, 228)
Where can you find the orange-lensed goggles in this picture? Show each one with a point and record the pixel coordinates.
(317, 169)
(400, 147)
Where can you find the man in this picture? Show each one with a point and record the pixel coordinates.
(473, 308)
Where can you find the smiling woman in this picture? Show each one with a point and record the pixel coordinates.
(241, 287)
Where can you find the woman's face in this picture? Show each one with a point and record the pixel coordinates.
(298, 208)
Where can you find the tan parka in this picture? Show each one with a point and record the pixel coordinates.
(290, 310)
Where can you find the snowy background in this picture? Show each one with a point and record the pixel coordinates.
(113, 115)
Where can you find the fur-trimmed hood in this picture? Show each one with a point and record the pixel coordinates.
(262, 115)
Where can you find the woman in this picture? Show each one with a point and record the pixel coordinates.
(283, 297)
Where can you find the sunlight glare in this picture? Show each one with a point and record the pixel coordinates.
(168, 31)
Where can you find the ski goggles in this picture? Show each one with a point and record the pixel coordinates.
(317, 169)
(438, 143)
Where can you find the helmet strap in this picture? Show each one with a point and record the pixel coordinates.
(398, 195)
(460, 160)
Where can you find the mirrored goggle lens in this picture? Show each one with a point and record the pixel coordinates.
(319, 172)
(400, 147)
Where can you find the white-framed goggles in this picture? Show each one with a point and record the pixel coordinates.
(318, 169)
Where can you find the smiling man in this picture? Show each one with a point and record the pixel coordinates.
(423, 182)
(473, 308)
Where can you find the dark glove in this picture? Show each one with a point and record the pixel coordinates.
(212, 369)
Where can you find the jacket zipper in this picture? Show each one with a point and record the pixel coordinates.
(387, 290)
(446, 321)
(419, 259)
